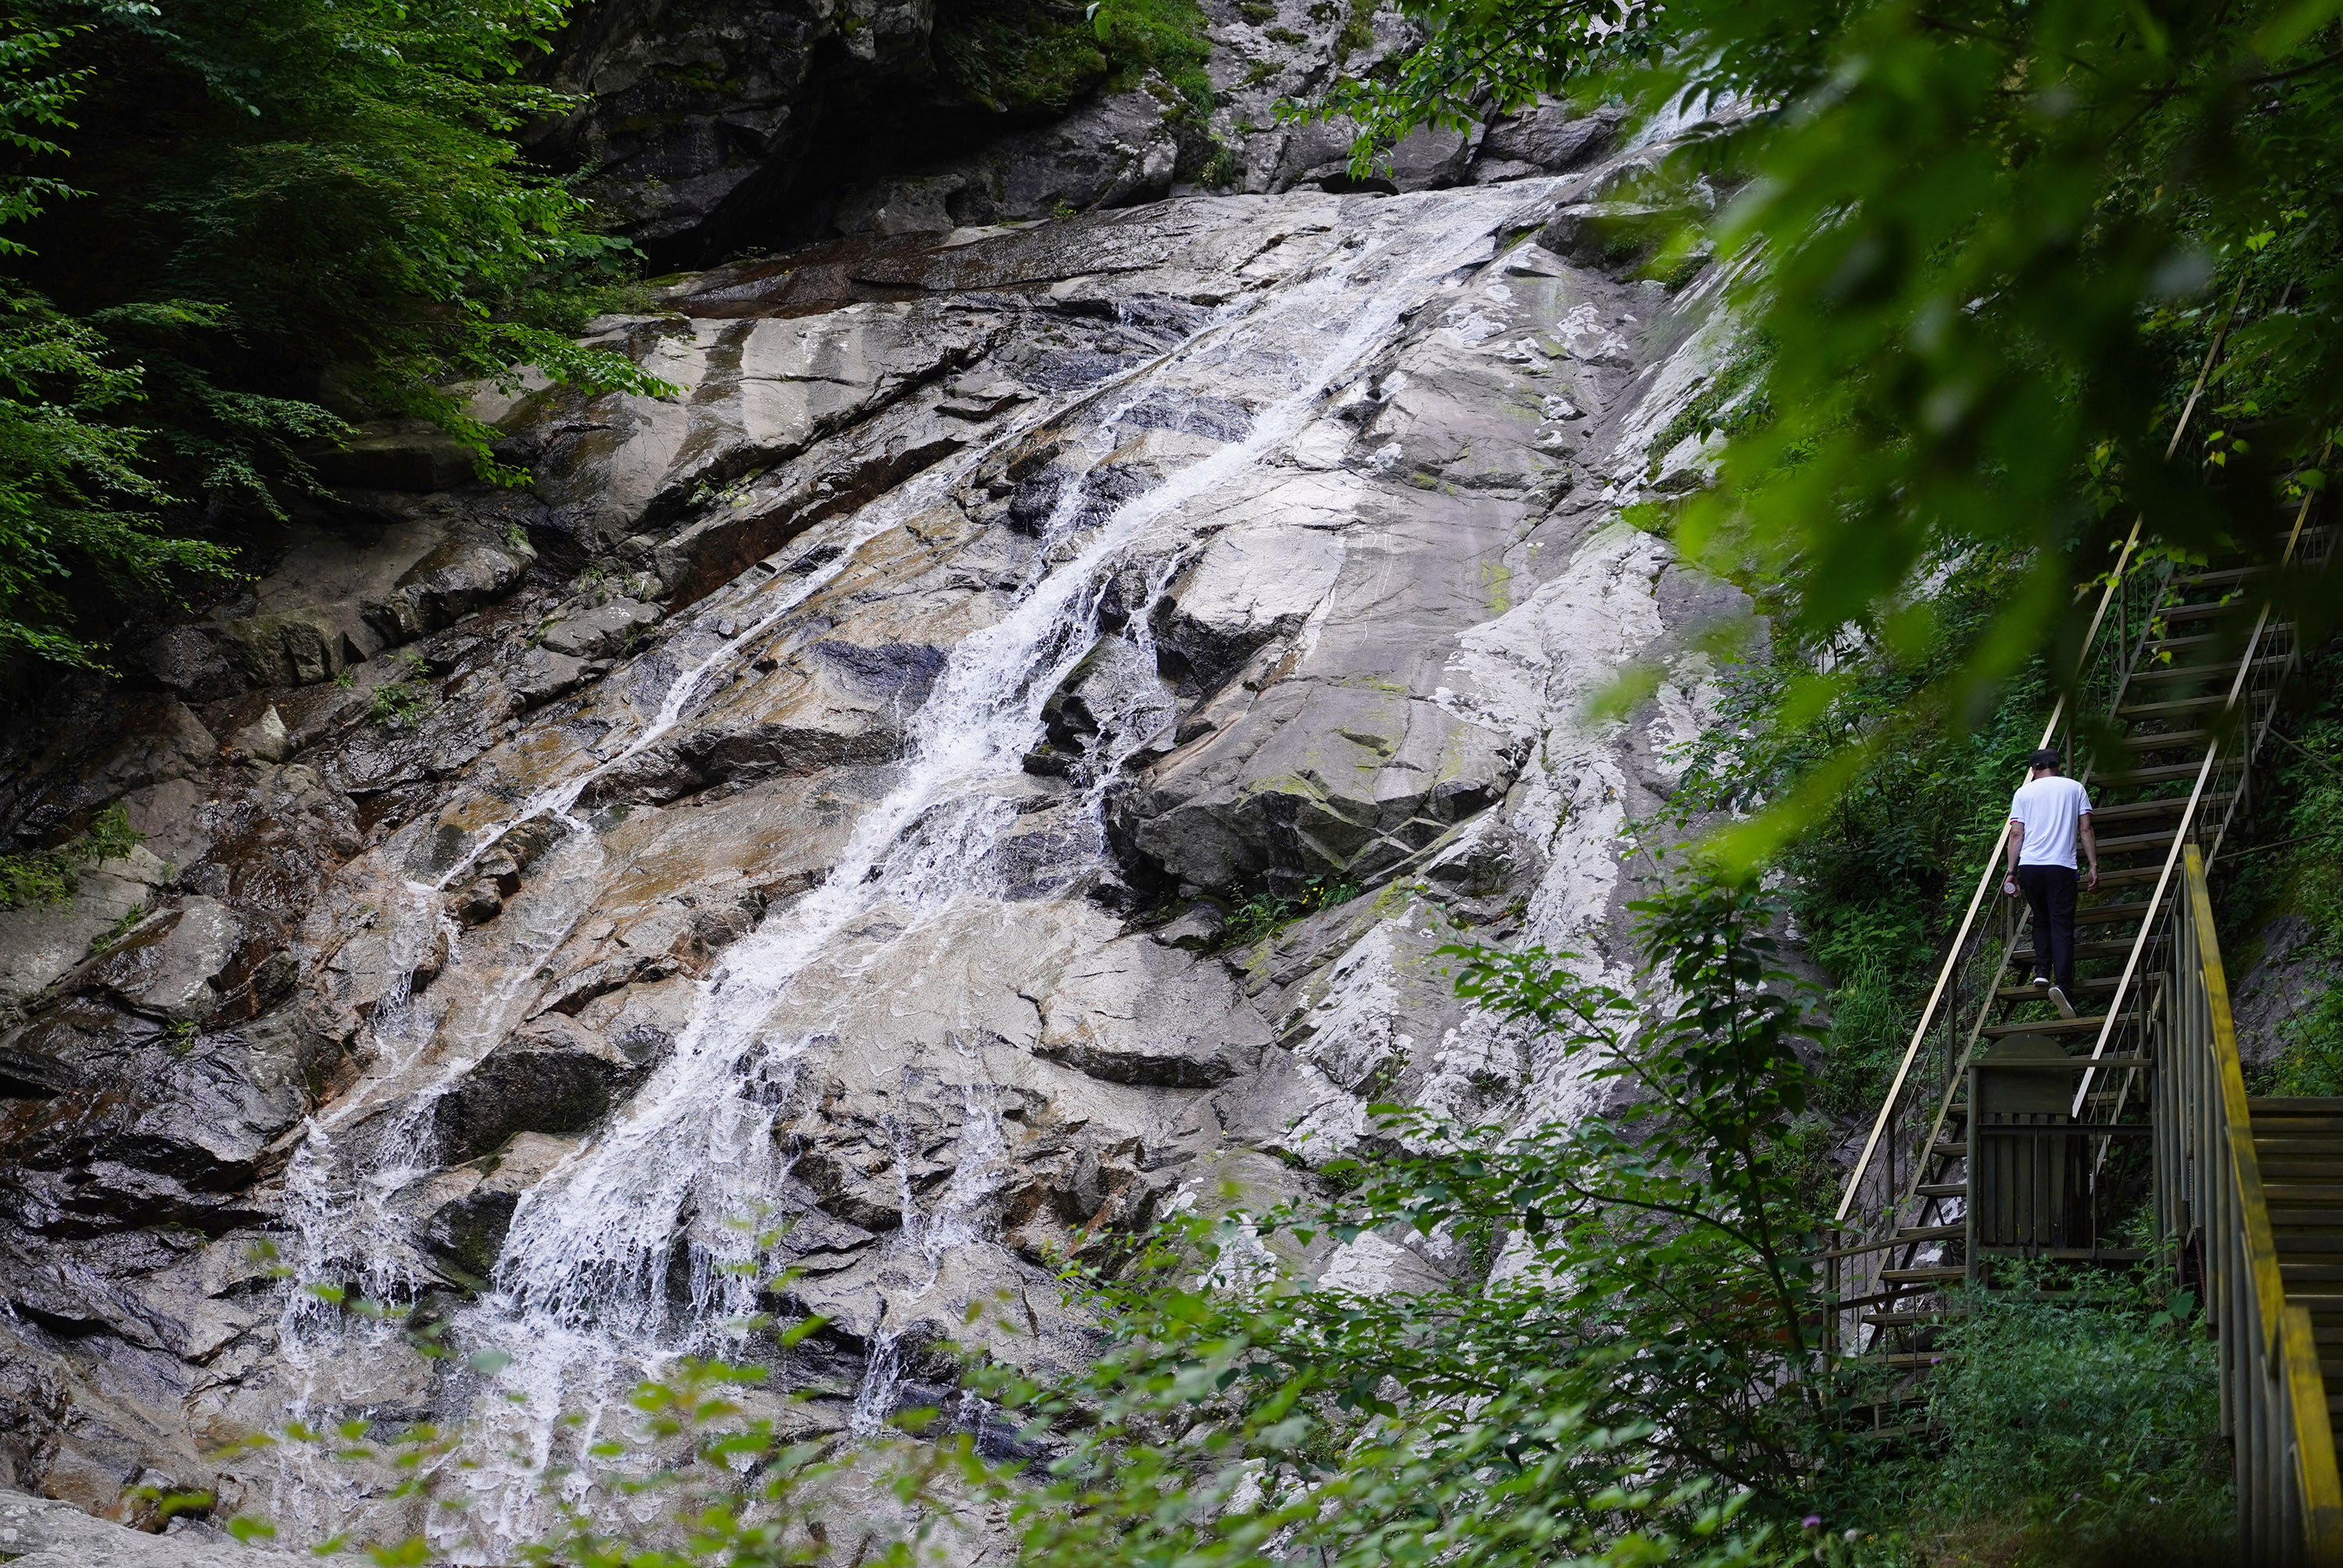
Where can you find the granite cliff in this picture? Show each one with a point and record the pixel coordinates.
(819, 802)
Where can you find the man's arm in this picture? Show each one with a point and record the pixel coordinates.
(2090, 849)
(2016, 843)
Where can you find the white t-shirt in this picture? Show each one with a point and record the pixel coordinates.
(2050, 809)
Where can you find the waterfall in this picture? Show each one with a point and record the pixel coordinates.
(584, 1298)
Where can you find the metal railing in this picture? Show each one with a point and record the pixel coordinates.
(1883, 1196)
(1934, 1062)
(1886, 1195)
(2209, 1200)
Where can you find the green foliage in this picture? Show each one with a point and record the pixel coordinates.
(1985, 248)
(121, 927)
(1876, 876)
(52, 875)
(1037, 56)
(1358, 28)
(1018, 56)
(1595, 1379)
(1266, 913)
(399, 703)
(1163, 35)
(261, 192)
(73, 488)
(2078, 1427)
(33, 102)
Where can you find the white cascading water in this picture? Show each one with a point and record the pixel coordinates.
(583, 1299)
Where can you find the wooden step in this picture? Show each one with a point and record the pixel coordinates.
(2280, 1144)
(2129, 877)
(2225, 670)
(2196, 611)
(2023, 958)
(2166, 739)
(2133, 841)
(2305, 1214)
(1941, 1190)
(2310, 1274)
(2163, 773)
(2039, 993)
(2088, 1024)
(2180, 644)
(2310, 1244)
(1915, 1320)
(1935, 1276)
(1932, 1233)
(1948, 1152)
(2226, 575)
(2258, 1106)
(2300, 1190)
(2172, 708)
(2127, 811)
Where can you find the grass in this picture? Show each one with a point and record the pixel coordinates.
(2076, 1428)
(117, 930)
(1164, 36)
(1020, 56)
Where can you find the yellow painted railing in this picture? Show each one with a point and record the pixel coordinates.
(2210, 1200)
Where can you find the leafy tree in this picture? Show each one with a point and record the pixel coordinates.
(1984, 248)
(2078, 1423)
(265, 197)
(1602, 1377)
(1877, 877)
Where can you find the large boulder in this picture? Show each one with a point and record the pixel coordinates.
(552, 1077)
(167, 967)
(1138, 1012)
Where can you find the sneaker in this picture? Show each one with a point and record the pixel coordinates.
(2038, 981)
(2058, 999)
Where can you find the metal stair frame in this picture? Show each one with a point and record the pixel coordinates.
(2169, 1006)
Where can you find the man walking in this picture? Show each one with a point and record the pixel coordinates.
(2046, 816)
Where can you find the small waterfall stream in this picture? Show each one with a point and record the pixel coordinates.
(584, 1298)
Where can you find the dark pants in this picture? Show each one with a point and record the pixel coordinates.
(2050, 889)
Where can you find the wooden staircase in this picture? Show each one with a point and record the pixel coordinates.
(2011, 1132)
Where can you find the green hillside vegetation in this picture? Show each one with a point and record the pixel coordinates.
(213, 211)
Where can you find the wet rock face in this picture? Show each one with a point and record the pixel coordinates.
(790, 863)
(711, 125)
